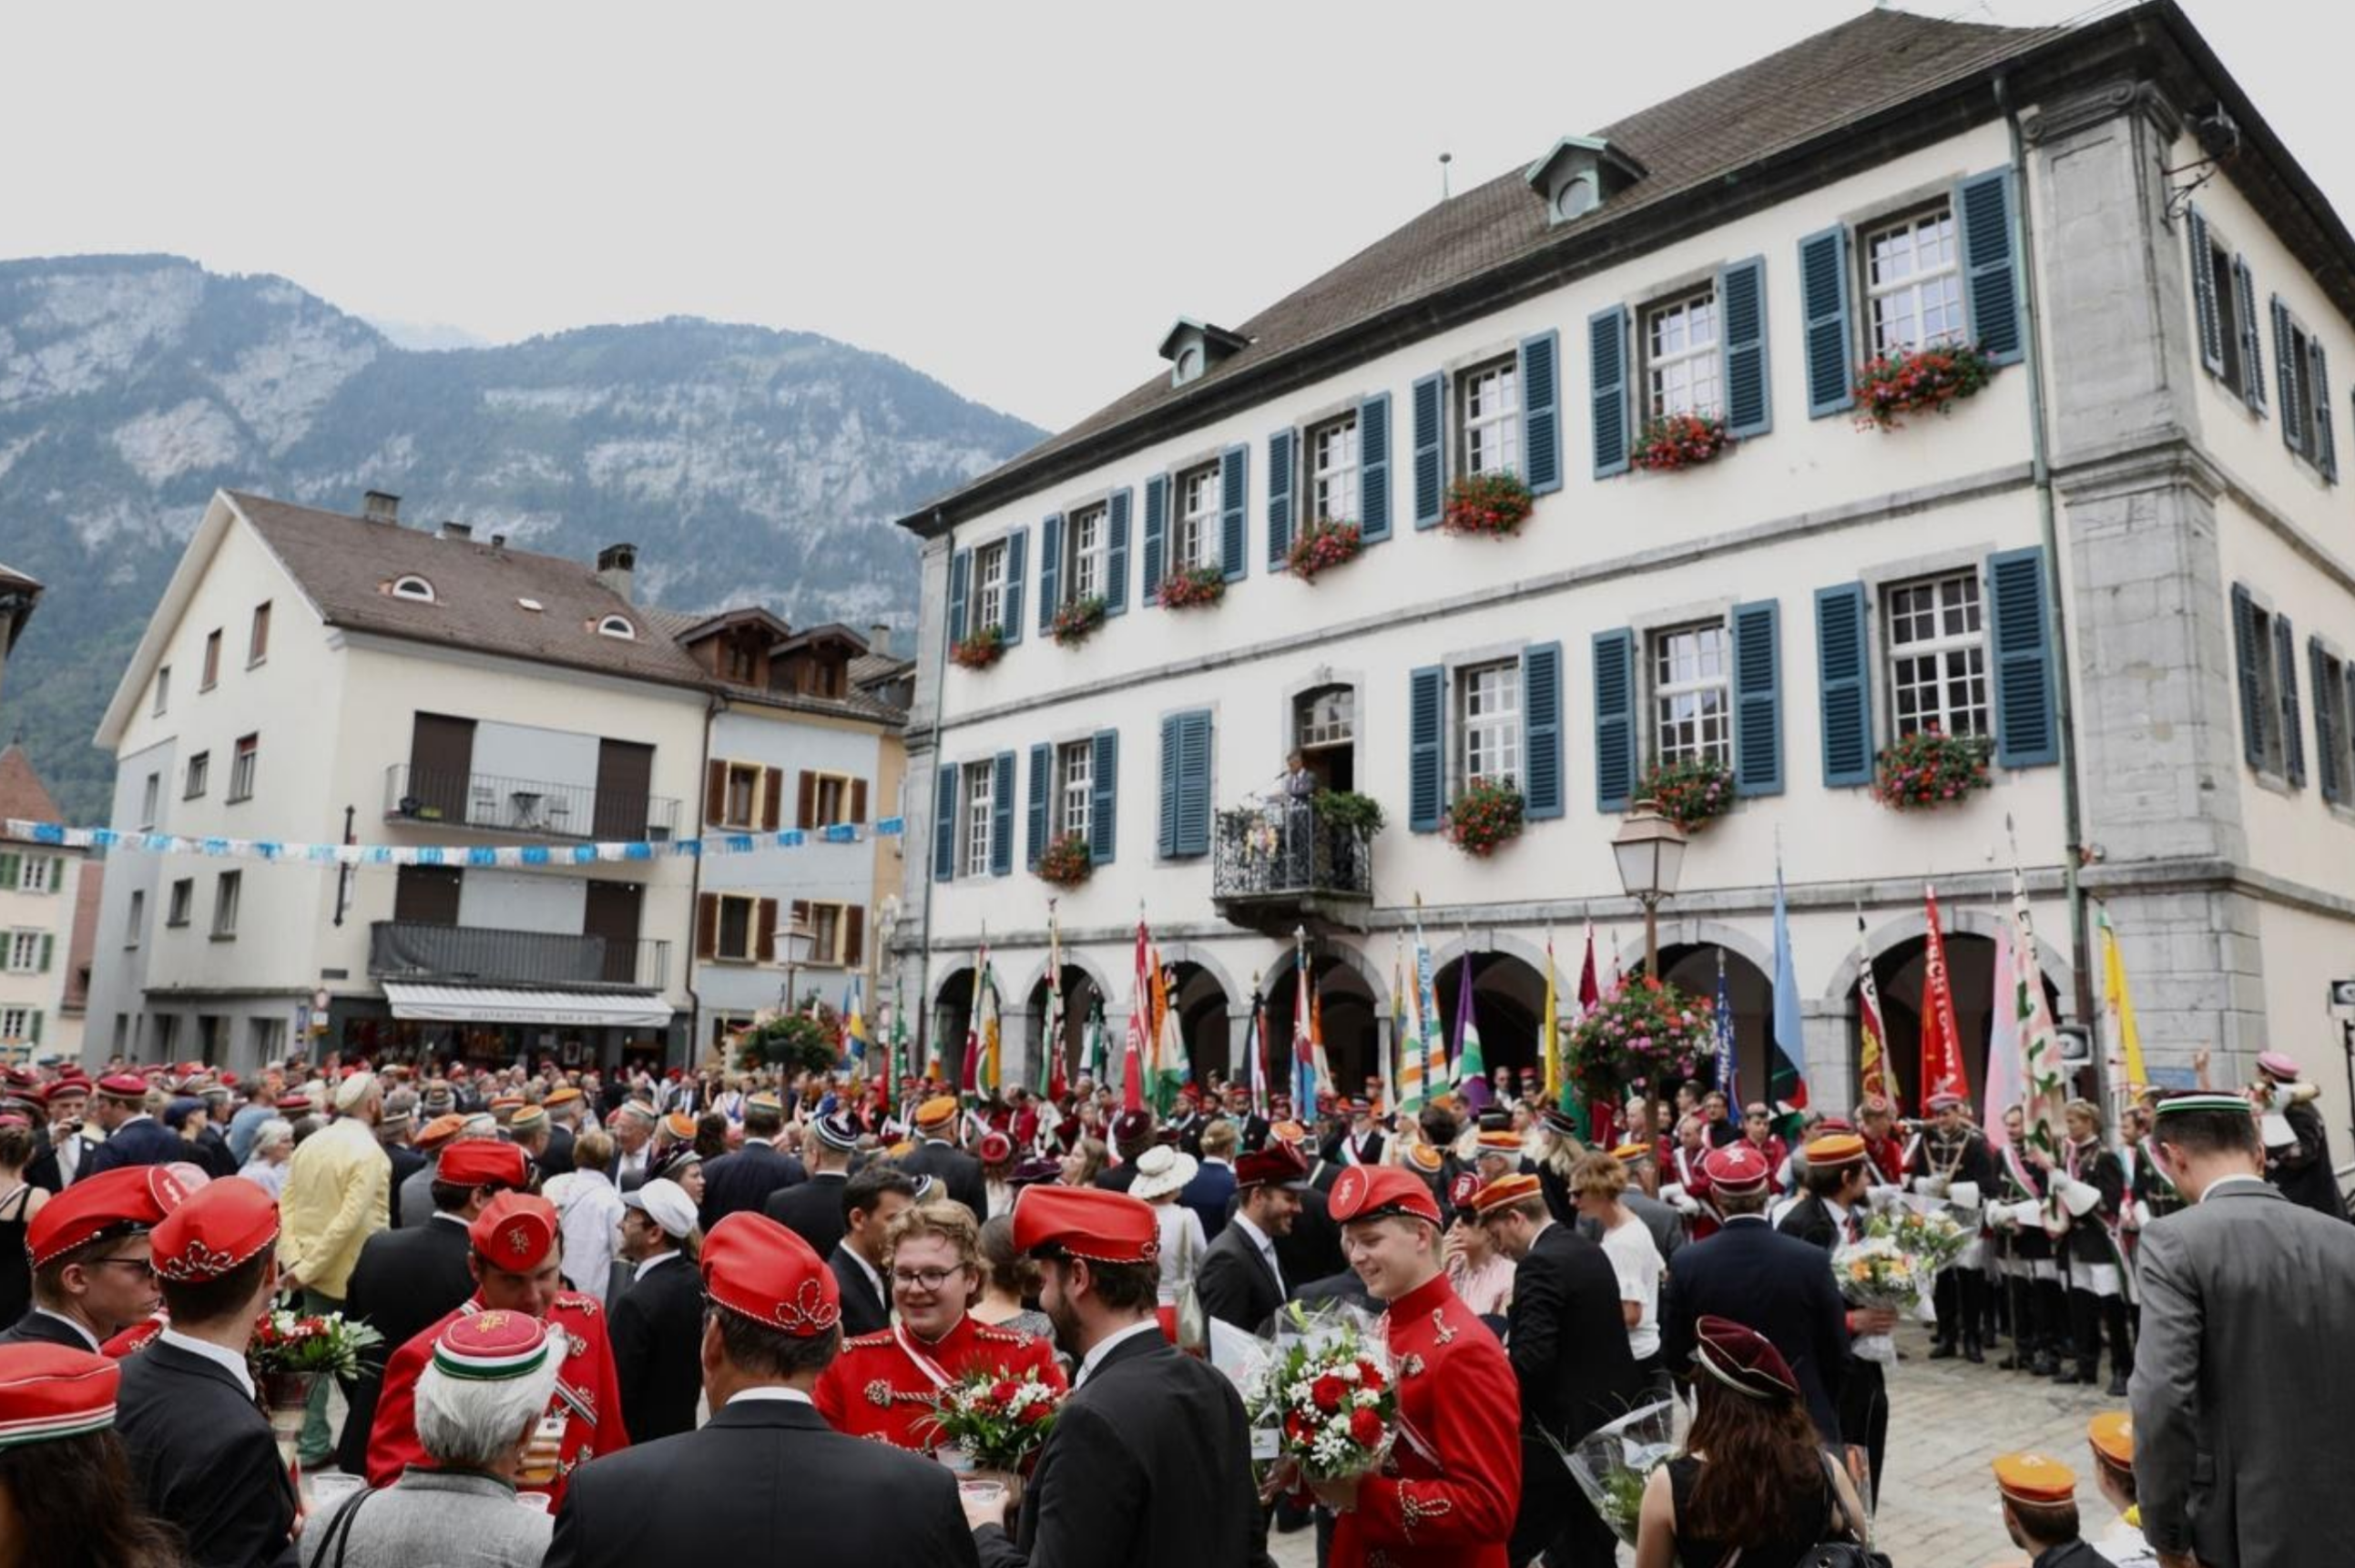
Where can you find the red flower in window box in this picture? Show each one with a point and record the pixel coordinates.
(1929, 769)
(1321, 546)
(1911, 381)
(1495, 504)
(980, 650)
(1681, 441)
(1077, 619)
(1485, 817)
(1190, 587)
(1692, 793)
(1067, 862)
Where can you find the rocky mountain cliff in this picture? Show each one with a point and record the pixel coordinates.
(747, 464)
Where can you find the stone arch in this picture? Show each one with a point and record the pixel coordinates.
(2058, 972)
(1073, 958)
(1698, 932)
(1505, 941)
(1203, 956)
(1355, 1004)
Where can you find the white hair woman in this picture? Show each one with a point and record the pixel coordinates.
(274, 1146)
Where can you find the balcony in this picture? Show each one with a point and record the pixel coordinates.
(1282, 863)
(534, 808)
(487, 956)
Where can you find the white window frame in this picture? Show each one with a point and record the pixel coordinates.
(828, 924)
(979, 796)
(1071, 807)
(412, 587)
(245, 761)
(151, 800)
(839, 784)
(180, 902)
(25, 952)
(200, 773)
(229, 892)
(619, 627)
(38, 874)
(1194, 520)
(1331, 483)
(1309, 732)
(1083, 553)
(1489, 418)
(750, 773)
(1961, 655)
(16, 1023)
(1684, 363)
(1489, 721)
(163, 689)
(1688, 665)
(1920, 290)
(989, 587)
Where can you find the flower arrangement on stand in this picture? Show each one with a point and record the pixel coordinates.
(289, 1352)
(1190, 586)
(1321, 546)
(1644, 1035)
(1914, 381)
(996, 1420)
(1067, 862)
(1931, 768)
(1077, 619)
(1486, 815)
(1691, 792)
(807, 1040)
(980, 650)
(1496, 504)
(1681, 441)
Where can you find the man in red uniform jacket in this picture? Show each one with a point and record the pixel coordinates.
(516, 1263)
(1447, 1496)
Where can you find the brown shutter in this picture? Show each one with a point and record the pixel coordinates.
(714, 791)
(854, 935)
(773, 793)
(706, 926)
(806, 813)
(767, 949)
(858, 800)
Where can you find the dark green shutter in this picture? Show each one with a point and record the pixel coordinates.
(1051, 570)
(2293, 727)
(1374, 467)
(8, 871)
(2026, 734)
(1001, 816)
(1542, 412)
(49, 945)
(1018, 562)
(945, 825)
(1279, 499)
(1166, 840)
(1990, 265)
(1822, 301)
(2246, 663)
(1615, 719)
(1428, 435)
(1844, 681)
(1758, 697)
(2203, 293)
(1042, 768)
(960, 576)
(1542, 788)
(1157, 535)
(1426, 792)
(1104, 806)
(1606, 356)
(2326, 740)
(1741, 300)
(2253, 352)
(1234, 502)
(1194, 784)
(2285, 365)
(1115, 581)
(2325, 439)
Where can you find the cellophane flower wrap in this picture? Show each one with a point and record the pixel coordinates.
(1930, 1237)
(1878, 1272)
(302, 1342)
(999, 1419)
(1611, 1463)
(1327, 1395)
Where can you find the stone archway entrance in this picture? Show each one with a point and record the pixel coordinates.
(1899, 973)
(1346, 1007)
(1081, 998)
(1693, 967)
(1508, 1004)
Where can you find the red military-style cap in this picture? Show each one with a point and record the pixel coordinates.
(493, 1346)
(66, 1089)
(1738, 1168)
(1090, 1222)
(113, 1202)
(298, 1104)
(759, 1269)
(1277, 1165)
(516, 1231)
(215, 1231)
(49, 1391)
(1742, 1360)
(996, 1147)
(483, 1162)
(124, 1086)
(1378, 1192)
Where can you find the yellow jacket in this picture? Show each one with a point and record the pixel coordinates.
(338, 1194)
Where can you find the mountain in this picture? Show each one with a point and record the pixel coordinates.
(749, 465)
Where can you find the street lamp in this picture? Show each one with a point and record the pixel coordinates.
(1651, 854)
(797, 939)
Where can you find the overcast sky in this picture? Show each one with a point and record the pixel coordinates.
(1016, 197)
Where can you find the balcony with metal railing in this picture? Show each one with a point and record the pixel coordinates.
(533, 809)
(1278, 863)
(489, 955)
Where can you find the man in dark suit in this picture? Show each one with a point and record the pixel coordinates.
(1829, 1216)
(1362, 1143)
(199, 1447)
(563, 1108)
(868, 1201)
(1132, 1134)
(133, 1137)
(742, 1181)
(65, 1144)
(88, 1249)
(657, 1322)
(1211, 1192)
(1240, 1280)
(1568, 1341)
(396, 1133)
(706, 1495)
(1774, 1285)
(958, 1173)
(812, 1209)
(1149, 1463)
(408, 1280)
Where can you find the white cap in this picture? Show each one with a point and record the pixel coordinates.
(354, 1089)
(665, 1202)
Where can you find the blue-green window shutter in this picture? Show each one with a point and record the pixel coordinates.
(2327, 743)
(1234, 511)
(1741, 299)
(2293, 727)
(945, 825)
(1844, 682)
(2252, 350)
(1428, 436)
(1374, 467)
(1426, 791)
(1615, 719)
(8, 871)
(1156, 534)
(1194, 783)
(1001, 816)
(1606, 345)
(1042, 768)
(1116, 555)
(1104, 806)
(2326, 439)
(960, 574)
(49, 943)
(1983, 207)
(1018, 551)
(2246, 657)
(1051, 570)
(1758, 697)
(2286, 365)
(1279, 499)
(1822, 301)
(1166, 839)
(2203, 292)
(1541, 786)
(2026, 732)
(1542, 412)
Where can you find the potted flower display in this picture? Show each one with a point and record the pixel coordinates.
(1496, 504)
(1931, 768)
(1691, 791)
(1321, 546)
(1681, 441)
(1190, 586)
(1075, 620)
(980, 650)
(1486, 815)
(1643, 1035)
(1913, 380)
(1066, 861)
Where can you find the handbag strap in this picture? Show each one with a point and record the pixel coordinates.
(339, 1531)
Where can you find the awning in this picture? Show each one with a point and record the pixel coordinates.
(501, 1005)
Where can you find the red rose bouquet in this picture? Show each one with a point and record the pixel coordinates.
(1328, 1396)
(998, 1419)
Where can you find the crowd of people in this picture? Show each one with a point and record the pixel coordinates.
(721, 1309)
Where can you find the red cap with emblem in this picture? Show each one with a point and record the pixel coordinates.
(516, 1231)
(1378, 1192)
(759, 1269)
(215, 1231)
(483, 1162)
(124, 1086)
(995, 1148)
(1090, 1222)
(47, 1391)
(1737, 1167)
(113, 1202)
(492, 1347)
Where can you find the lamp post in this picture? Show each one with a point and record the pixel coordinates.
(1651, 853)
(798, 939)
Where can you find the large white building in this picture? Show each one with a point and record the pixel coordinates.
(2124, 561)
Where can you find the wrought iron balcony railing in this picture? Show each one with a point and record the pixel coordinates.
(490, 956)
(532, 807)
(1289, 849)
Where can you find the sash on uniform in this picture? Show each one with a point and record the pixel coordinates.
(933, 1372)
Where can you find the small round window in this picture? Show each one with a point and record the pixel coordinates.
(617, 626)
(1578, 195)
(413, 587)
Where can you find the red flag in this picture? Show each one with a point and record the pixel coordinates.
(1589, 993)
(1600, 1113)
(1942, 1053)
(1140, 1005)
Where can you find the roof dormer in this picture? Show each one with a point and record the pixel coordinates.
(1192, 347)
(1580, 174)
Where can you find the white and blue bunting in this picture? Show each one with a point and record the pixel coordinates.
(447, 854)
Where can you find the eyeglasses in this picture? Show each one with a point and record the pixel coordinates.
(924, 1279)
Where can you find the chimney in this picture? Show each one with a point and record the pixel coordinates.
(615, 564)
(878, 640)
(380, 507)
(498, 544)
(453, 529)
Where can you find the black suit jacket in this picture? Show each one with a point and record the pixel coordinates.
(1777, 1285)
(556, 1158)
(1343, 1287)
(205, 1461)
(212, 1153)
(1312, 1248)
(1211, 1195)
(1117, 1178)
(1810, 1219)
(1149, 1467)
(742, 1181)
(147, 1142)
(812, 1209)
(864, 1309)
(1235, 1284)
(406, 1162)
(958, 1173)
(47, 1172)
(657, 1328)
(403, 1283)
(766, 1477)
(1568, 1339)
(40, 1329)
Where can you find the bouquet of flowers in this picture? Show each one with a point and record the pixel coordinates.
(1327, 1392)
(292, 1343)
(1000, 1420)
(1612, 1463)
(1876, 1272)
(1930, 1237)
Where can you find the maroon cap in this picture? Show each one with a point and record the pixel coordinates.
(1277, 1165)
(1742, 1360)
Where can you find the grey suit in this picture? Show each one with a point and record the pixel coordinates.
(434, 1517)
(2242, 1381)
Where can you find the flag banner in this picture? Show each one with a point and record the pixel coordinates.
(992, 1066)
(1140, 1024)
(1471, 1066)
(1549, 1030)
(1406, 1033)
(577, 854)
(1170, 1070)
(2040, 1038)
(1092, 1051)
(854, 1024)
(1317, 1040)
(1304, 1038)
(1874, 1070)
(1386, 1052)
(1786, 1078)
(1050, 1035)
(897, 1051)
(2125, 1040)
(1942, 1038)
(969, 1069)
(1728, 1057)
(1428, 1033)
(1255, 1052)
(1590, 992)
(2004, 1077)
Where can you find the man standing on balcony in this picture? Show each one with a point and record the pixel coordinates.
(338, 1194)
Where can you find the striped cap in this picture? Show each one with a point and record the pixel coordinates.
(49, 1391)
(528, 1120)
(2176, 1104)
(1500, 1141)
(491, 1347)
(764, 1101)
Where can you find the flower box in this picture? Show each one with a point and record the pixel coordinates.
(1692, 793)
(1066, 861)
(1485, 817)
(1643, 1036)
(1186, 588)
(1321, 546)
(980, 650)
(1929, 769)
(1913, 380)
(1494, 503)
(1076, 621)
(1681, 441)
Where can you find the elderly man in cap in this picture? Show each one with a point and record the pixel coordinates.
(812, 1209)
(338, 1193)
(396, 1133)
(88, 1251)
(133, 1137)
(563, 1105)
(718, 1492)
(634, 1136)
(658, 1319)
(1149, 1464)
(937, 1157)
(413, 1200)
(1240, 1280)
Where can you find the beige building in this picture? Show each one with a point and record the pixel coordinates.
(41, 889)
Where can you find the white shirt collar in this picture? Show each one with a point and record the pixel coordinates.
(1259, 1238)
(1104, 1346)
(645, 1263)
(459, 1221)
(764, 1143)
(73, 1323)
(218, 1356)
(770, 1392)
(2222, 1181)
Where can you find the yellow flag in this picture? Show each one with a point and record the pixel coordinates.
(1549, 1032)
(2119, 1004)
